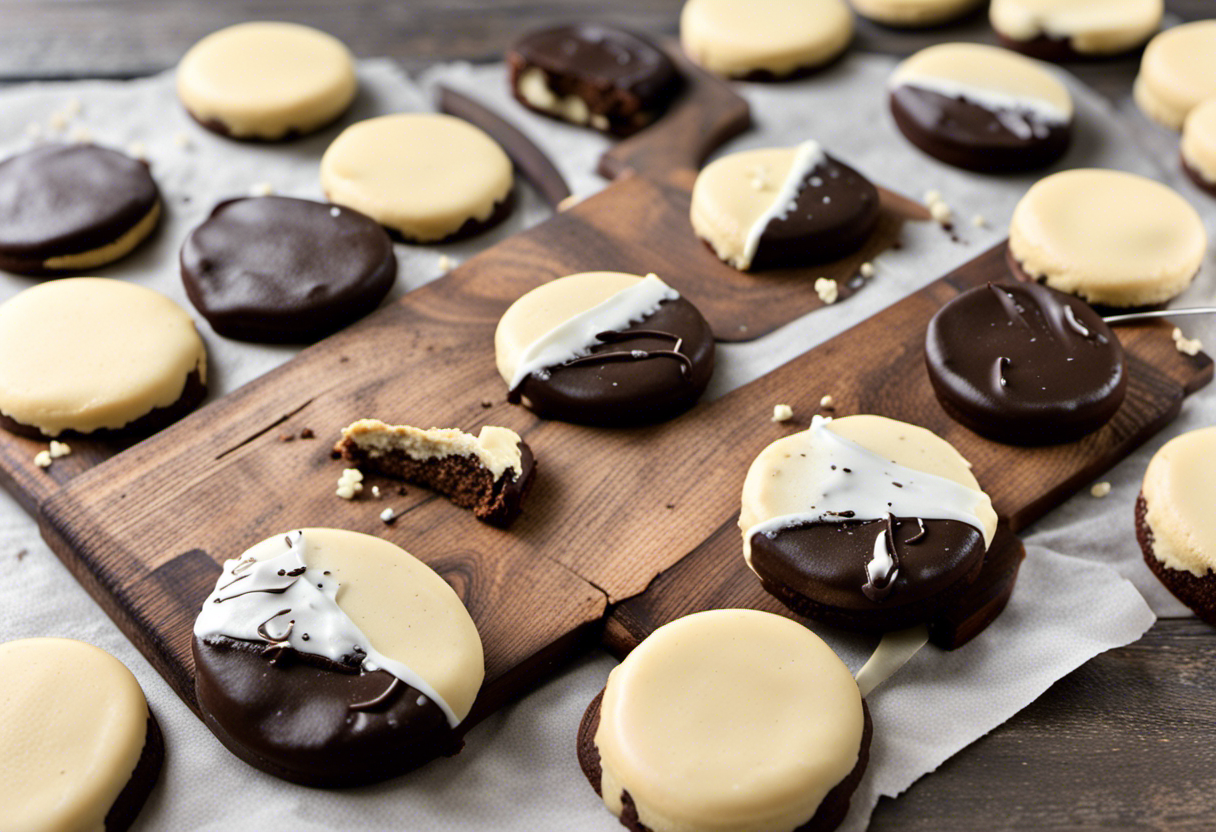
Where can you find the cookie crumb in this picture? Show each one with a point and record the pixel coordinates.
(335, 212)
(182, 139)
(941, 212)
(43, 459)
(827, 403)
(138, 150)
(867, 270)
(72, 108)
(307, 433)
(827, 290)
(350, 483)
(782, 413)
(760, 178)
(59, 449)
(388, 516)
(80, 135)
(1100, 489)
(21, 554)
(1184, 345)
(446, 264)
(287, 437)
(932, 197)
(261, 189)
(376, 491)
(979, 222)
(58, 122)
(671, 505)
(487, 403)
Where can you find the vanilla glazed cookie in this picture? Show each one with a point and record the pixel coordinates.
(913, 14)
(1177, 73)
(1069, 30)
(732, 720)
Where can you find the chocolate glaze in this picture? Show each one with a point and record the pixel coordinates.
(276, 269)
(1197, 592)
(971, 136)
(1025, 364)
(643, 390)
(471, 227)
(618, 74)
(134, 795)
(1058, 50)
(312, 721)
(818, 570)
(1203, 184)
(60, 199)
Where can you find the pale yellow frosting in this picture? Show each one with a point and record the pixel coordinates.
(1092, 27)
(263, 80)
(421, 174)
(737, 37)
(1178, 72)
(913, 13)
(728, 720)
(1199, 140)
(1179, 494)
(496, 448)
(110, 252)
(73, 724)
(1109, 237)
(88, 353)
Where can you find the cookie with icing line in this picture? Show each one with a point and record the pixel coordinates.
(1069, 30)
(1177, 73)
(865, 523)
(1199, 145)
(490, 473)
(604, 348)
(731, 720)
(981, 108)
(1109, 237)
(782, 207)
(266, 81)
(68, 208)
(913, 14)
(426, 177)
(590, 74)
(332, 658)
(79, 749)
(276, 269)
(1025, 364)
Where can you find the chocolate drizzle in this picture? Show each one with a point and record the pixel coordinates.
(633, 355)
(879, 580)
(381, 700)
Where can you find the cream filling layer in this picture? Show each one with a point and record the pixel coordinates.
(496, 448)
(110, 252)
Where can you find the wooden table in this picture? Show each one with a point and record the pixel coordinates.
(1079, 757)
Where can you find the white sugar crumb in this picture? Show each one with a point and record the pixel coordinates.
(867, 270)
(138, 150)
(1100, 489)
(350, 483)
(932, 197)
(182, 139)
(827, 290)
(782, 413)
(376, 491)
(335, 211)
(827, 402)
(760, 178)
(80, 135)
(941, 212)
(43, 459)
(261, 189)
(59, 449)
(446, 263)
(1186, 346)
(388, 515)
(58, 122)
(979, 221)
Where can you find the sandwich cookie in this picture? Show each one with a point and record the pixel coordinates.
(266, 81)
(865, 523)
(79, 749)
(1069, 30)
(276, 269)
(87, 354)
(981, 108)
(913, 14)
(1177, 73)
(1109, 237)
(1199, 145)
(1174, 519)
(333, 658)
(732, 720)
(604, 348)
(67, 208)
(782, 207)
(764, 40)
(589, 74)
(427, 178)
(1025, 364)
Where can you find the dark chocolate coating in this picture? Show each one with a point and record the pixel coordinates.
(1025, 364)
(126, 807)
(618, 74)
(1198, 593)
(818, 570)
(971, 136)
(1200, 182)
(276, 269)
(291, 715)
(60, 199)
(471, 227)
(833, 215)
(831, 812)
(1058, 50)
(635, 391)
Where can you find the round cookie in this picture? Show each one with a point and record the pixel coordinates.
(782, 207)
(729, 720)
(1025, 364)
(266, 81)
(1069, 30)
(913, 14)
(981, 108)
(87, 354)
(1174, 519)
(67, 208)
(604, 348)
(1177, 72)
(1199, 146)
(1109, 237)
(276, 269)
(865, 523)
(79, 749)
(426, 177)
(588, 73)
(764, 40)
(333, 658)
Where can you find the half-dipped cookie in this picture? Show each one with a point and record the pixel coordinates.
(426, 177)
(1070, 30)
(732, 720)
(88, 354)
(782, 207)
(1199, 145)
(79, 749)
(68, 208)
(981, 108)
(591, 74)
(604, 348)
(490, 473)
(865, 523)
(1177, 72)
(1109, 237)
(277, 269)
(1025, 364)
(332, 658)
